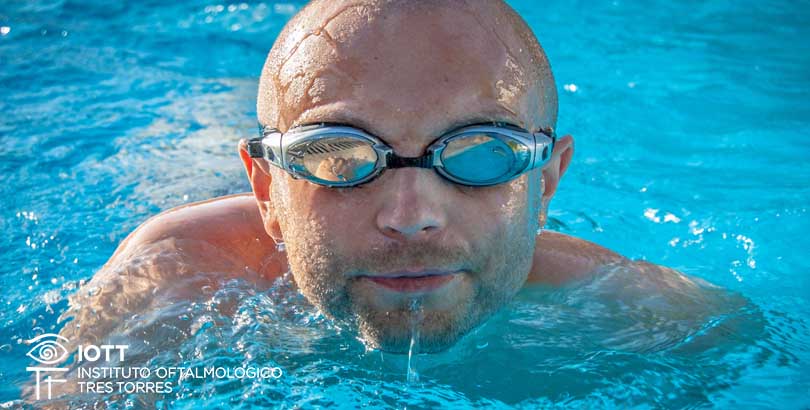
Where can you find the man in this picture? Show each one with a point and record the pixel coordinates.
(408, 160)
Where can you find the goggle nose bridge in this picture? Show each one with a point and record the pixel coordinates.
(394, 161)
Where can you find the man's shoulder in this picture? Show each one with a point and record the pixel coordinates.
(170, 257)
(231, 225)
(207, 220)
(561, 258)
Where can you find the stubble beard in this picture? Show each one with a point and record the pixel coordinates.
(321, 276)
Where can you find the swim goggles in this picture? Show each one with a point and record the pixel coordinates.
(337, 155)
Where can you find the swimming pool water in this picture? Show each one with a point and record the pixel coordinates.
(691, 123)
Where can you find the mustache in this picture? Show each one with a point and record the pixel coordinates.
(396, 256)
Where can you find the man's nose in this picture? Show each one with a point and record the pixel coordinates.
(413, 207)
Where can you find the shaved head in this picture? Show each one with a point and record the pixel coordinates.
(407, 72)
(331, 48)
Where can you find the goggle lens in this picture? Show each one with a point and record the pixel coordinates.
(483, 158)
(333, 159)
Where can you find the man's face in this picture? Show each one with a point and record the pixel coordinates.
(407, 81)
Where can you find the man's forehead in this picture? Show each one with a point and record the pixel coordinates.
(421, 66)
(413, 123)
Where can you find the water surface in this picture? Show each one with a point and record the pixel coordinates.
(691, 125)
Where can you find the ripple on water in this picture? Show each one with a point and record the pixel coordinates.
(599, 342)
(113, 112)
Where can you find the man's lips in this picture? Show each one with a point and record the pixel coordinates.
(413, 281)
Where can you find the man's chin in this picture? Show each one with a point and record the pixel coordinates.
(396, 332)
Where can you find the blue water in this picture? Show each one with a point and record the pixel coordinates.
(692, 129)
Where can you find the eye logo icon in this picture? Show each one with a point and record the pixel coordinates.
(48, 351)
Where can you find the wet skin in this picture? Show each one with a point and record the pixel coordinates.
(406, 74)
(364, 253)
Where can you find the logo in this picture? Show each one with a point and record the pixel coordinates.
(99, 369)
(48, 352)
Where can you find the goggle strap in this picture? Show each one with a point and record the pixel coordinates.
(395, 161)
(255, 148)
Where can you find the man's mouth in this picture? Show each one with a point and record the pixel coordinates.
(413, 281)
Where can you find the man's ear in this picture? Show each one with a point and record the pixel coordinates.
(556, 167)
(260, 178)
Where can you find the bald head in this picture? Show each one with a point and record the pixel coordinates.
(407, 72)
(407, 59)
